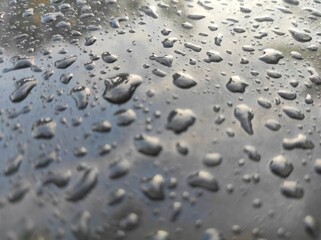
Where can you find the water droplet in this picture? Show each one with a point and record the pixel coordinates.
(65, 78)
(45, 128)
(273, 125)
(119, 168)
(169, 42)
(300, 36)
(179, 120)
(108, 57)
(13, 165)
(58, 178)
(46, 160)
(90, 40)
(129, 222)
(117, 196)
(148, 145)
(183, 80)
(213, 56)
(19, 191)
(212, 159)
(311, 226)
(153, 187)
(292, 189)
(212, 234)
(121, 88)
(84, 185)
(81, 228)
(125, 117)
(293, 113)
(271, 56)
(203, 179)
(160, 235)
(236, 85)
(81, 95)
(101, 127)
(65, 62)
(244, 114)
(280, 166)
(252, 153)
(300, 141)
(166, 60)
(20, 62)
(23, 88)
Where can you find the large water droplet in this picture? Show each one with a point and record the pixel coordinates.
(23, 88)
(121, 88)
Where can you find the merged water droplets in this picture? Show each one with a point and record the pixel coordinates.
(58, 178)
(300, 141)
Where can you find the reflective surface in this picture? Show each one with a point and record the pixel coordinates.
(160, 120)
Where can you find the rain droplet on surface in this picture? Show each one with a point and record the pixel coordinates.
(244, 114)
(148, 145)
(125, 117)
(252, 153)
(65, 62)
(236, 85)
(121, 88)
(84, 185)
(179, 120)
(153, 187)
(292, 189)
(300, 141)
(44, 128)
(212, 159)
(183, 80)
(81, 95)
(203, 179)
(280, 166)
(13, 165)
(271, 56)
(107, 57)
(23, 89)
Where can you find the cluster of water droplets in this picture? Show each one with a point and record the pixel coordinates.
(160, 120)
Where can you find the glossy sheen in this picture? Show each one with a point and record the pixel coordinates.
(160, 119)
